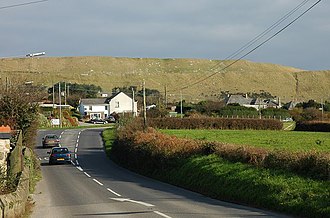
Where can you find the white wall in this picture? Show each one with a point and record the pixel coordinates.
(122, 103)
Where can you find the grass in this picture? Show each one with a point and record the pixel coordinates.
(108, 138)
(275, 190)
(282, 140)
(109, 72)
(245, 184)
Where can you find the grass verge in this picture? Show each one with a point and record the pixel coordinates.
(270, 189)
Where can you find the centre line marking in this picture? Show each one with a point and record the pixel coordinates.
(87, 174)
(95, 180)
(132, 201)
(113, 192)
(161, 214)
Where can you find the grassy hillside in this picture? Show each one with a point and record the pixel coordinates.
(109, 72)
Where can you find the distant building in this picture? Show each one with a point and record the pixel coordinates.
(256, 103)
(103, 107)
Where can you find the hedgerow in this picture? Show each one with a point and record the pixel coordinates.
(214, 123)
(149, 146)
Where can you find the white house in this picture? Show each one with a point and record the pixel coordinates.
(102, 107)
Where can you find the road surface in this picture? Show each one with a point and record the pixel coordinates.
(93, 186)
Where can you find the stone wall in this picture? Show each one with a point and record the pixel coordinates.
(13, 205)
(5, 135)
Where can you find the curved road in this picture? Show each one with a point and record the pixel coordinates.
(93, 186)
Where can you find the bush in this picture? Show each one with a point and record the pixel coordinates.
(214, 123)
(313, 126)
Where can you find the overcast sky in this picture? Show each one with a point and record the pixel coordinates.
(208, 29)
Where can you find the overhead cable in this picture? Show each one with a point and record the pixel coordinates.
(255, 48)
(22, 4)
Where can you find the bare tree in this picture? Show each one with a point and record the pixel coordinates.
(19, 107)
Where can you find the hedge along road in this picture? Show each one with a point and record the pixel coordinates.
(93, 186)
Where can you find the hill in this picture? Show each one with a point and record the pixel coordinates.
(244, 76)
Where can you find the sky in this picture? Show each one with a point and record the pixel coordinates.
(201, 29)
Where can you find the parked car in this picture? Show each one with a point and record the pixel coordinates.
(97, 121)
(50, 140)
(59, 155)
(111, 119)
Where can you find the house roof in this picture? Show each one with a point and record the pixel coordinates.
(4, 135)
(239, 99)
(93, 101)
(113, 96)
(99, 101)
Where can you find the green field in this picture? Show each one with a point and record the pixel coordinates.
(283, 140)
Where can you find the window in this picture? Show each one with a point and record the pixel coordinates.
(90, 108)
(106, 107)
(117, 104)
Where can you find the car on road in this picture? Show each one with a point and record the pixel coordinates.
(97, 121)
(111, 119)
(50, 140)
(59, 155)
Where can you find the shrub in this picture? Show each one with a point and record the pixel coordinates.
(314, 126)
(214, 123)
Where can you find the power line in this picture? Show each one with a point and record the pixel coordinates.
(269, 29)
(260, 36)
(255, 48)
(22, 4)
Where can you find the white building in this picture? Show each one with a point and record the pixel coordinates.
(102, 107)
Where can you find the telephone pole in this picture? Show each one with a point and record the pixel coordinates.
(133, 100)
(144, 105)
(59, 97)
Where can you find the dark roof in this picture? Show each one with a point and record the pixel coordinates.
(93, 101)
(239, 99)
(5, 135)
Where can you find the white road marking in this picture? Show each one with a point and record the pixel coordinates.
(87, 175)
(77, 162)
(288, 127)
(113, 192)
(76, 150)
(79, 168)
(132, 201)
(161, 214)
(75, 156)
(95, 180)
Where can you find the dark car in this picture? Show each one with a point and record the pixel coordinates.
(50, 140)
(111, 119)
(59, 155)
(97, 121)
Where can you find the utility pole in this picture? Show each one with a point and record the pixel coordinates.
(53, 97)
(133, 101)
(64, 93)
(144, 105)
(322, 108)
(59, 97)
(181, 111)
(165, 96)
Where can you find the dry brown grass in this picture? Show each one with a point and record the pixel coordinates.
(109, 72)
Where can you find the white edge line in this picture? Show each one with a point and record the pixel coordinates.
(161, 214)
(113, 192)
(95, 180)
(87, 174)
(79, 168)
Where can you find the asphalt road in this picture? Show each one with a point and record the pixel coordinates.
(93, 186)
